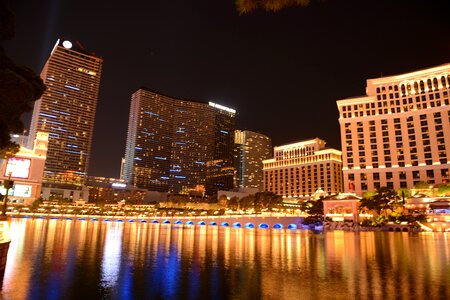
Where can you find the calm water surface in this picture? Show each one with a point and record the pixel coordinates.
(62, 259)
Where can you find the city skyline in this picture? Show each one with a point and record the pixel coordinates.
(271, 67)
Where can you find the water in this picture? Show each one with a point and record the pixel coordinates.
(62, 259)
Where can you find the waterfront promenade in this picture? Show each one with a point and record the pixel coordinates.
(276, 221)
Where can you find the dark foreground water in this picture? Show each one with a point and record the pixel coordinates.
(59, 259)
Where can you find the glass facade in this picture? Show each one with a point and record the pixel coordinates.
(175, 145)
(251, 148)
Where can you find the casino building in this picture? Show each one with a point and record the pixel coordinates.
(301, 169)
(66, 111)
(399, 133)
(26, 170)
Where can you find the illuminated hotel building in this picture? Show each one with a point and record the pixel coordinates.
(26, 169)
(399, 134)
(66, 112)
(178, 145)
(300, 169)
(251, 148)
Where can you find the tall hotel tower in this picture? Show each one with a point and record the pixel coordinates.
(66, 112)
(179, 145)
(251, 149)
(299, 170)
(399, 134)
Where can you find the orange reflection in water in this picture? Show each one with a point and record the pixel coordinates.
(87, 259)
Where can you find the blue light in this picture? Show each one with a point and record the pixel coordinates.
(178, 222)
(119, 221)
(224, 132)
(50, 78)
(263, 226)
(47, 115)
(58, 129)
(130, 221)
(200, 162)
(143, 221)
(71, 87)
(137, 158)
(237, 225)
(180, 177)
(73, 152)
(189, 223)
(225, 224)
(160, 158)
(106, 220)
(278, 226)
(81, 219)
(292, 226)
(164, 177)
(201, 223)
(249, 225)
(155, 222)
(213, 224)
(138, 148)
(151, 113)
(166, 222)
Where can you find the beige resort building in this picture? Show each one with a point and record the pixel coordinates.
(399, 134)
(298, 170)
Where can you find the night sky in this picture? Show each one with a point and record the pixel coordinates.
(282, 72)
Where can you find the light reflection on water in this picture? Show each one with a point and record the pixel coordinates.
(62, 259)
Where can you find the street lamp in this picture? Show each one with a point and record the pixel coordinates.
(7, 184)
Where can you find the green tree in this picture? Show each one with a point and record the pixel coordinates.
(19, 88)
(444, 190)
(313, 207)
(385, 204)
(246, 6)
(267, 200)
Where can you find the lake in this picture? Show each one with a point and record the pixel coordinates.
(74, 259)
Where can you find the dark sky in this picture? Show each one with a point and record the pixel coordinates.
(282, 72)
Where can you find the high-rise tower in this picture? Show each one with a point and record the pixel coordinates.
(251, 148)
(399, 134)
(178, 145)
(66, 112)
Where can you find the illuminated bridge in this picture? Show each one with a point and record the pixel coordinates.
(236, 221)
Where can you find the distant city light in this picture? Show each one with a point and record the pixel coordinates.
(118, 184)
(222, 107)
